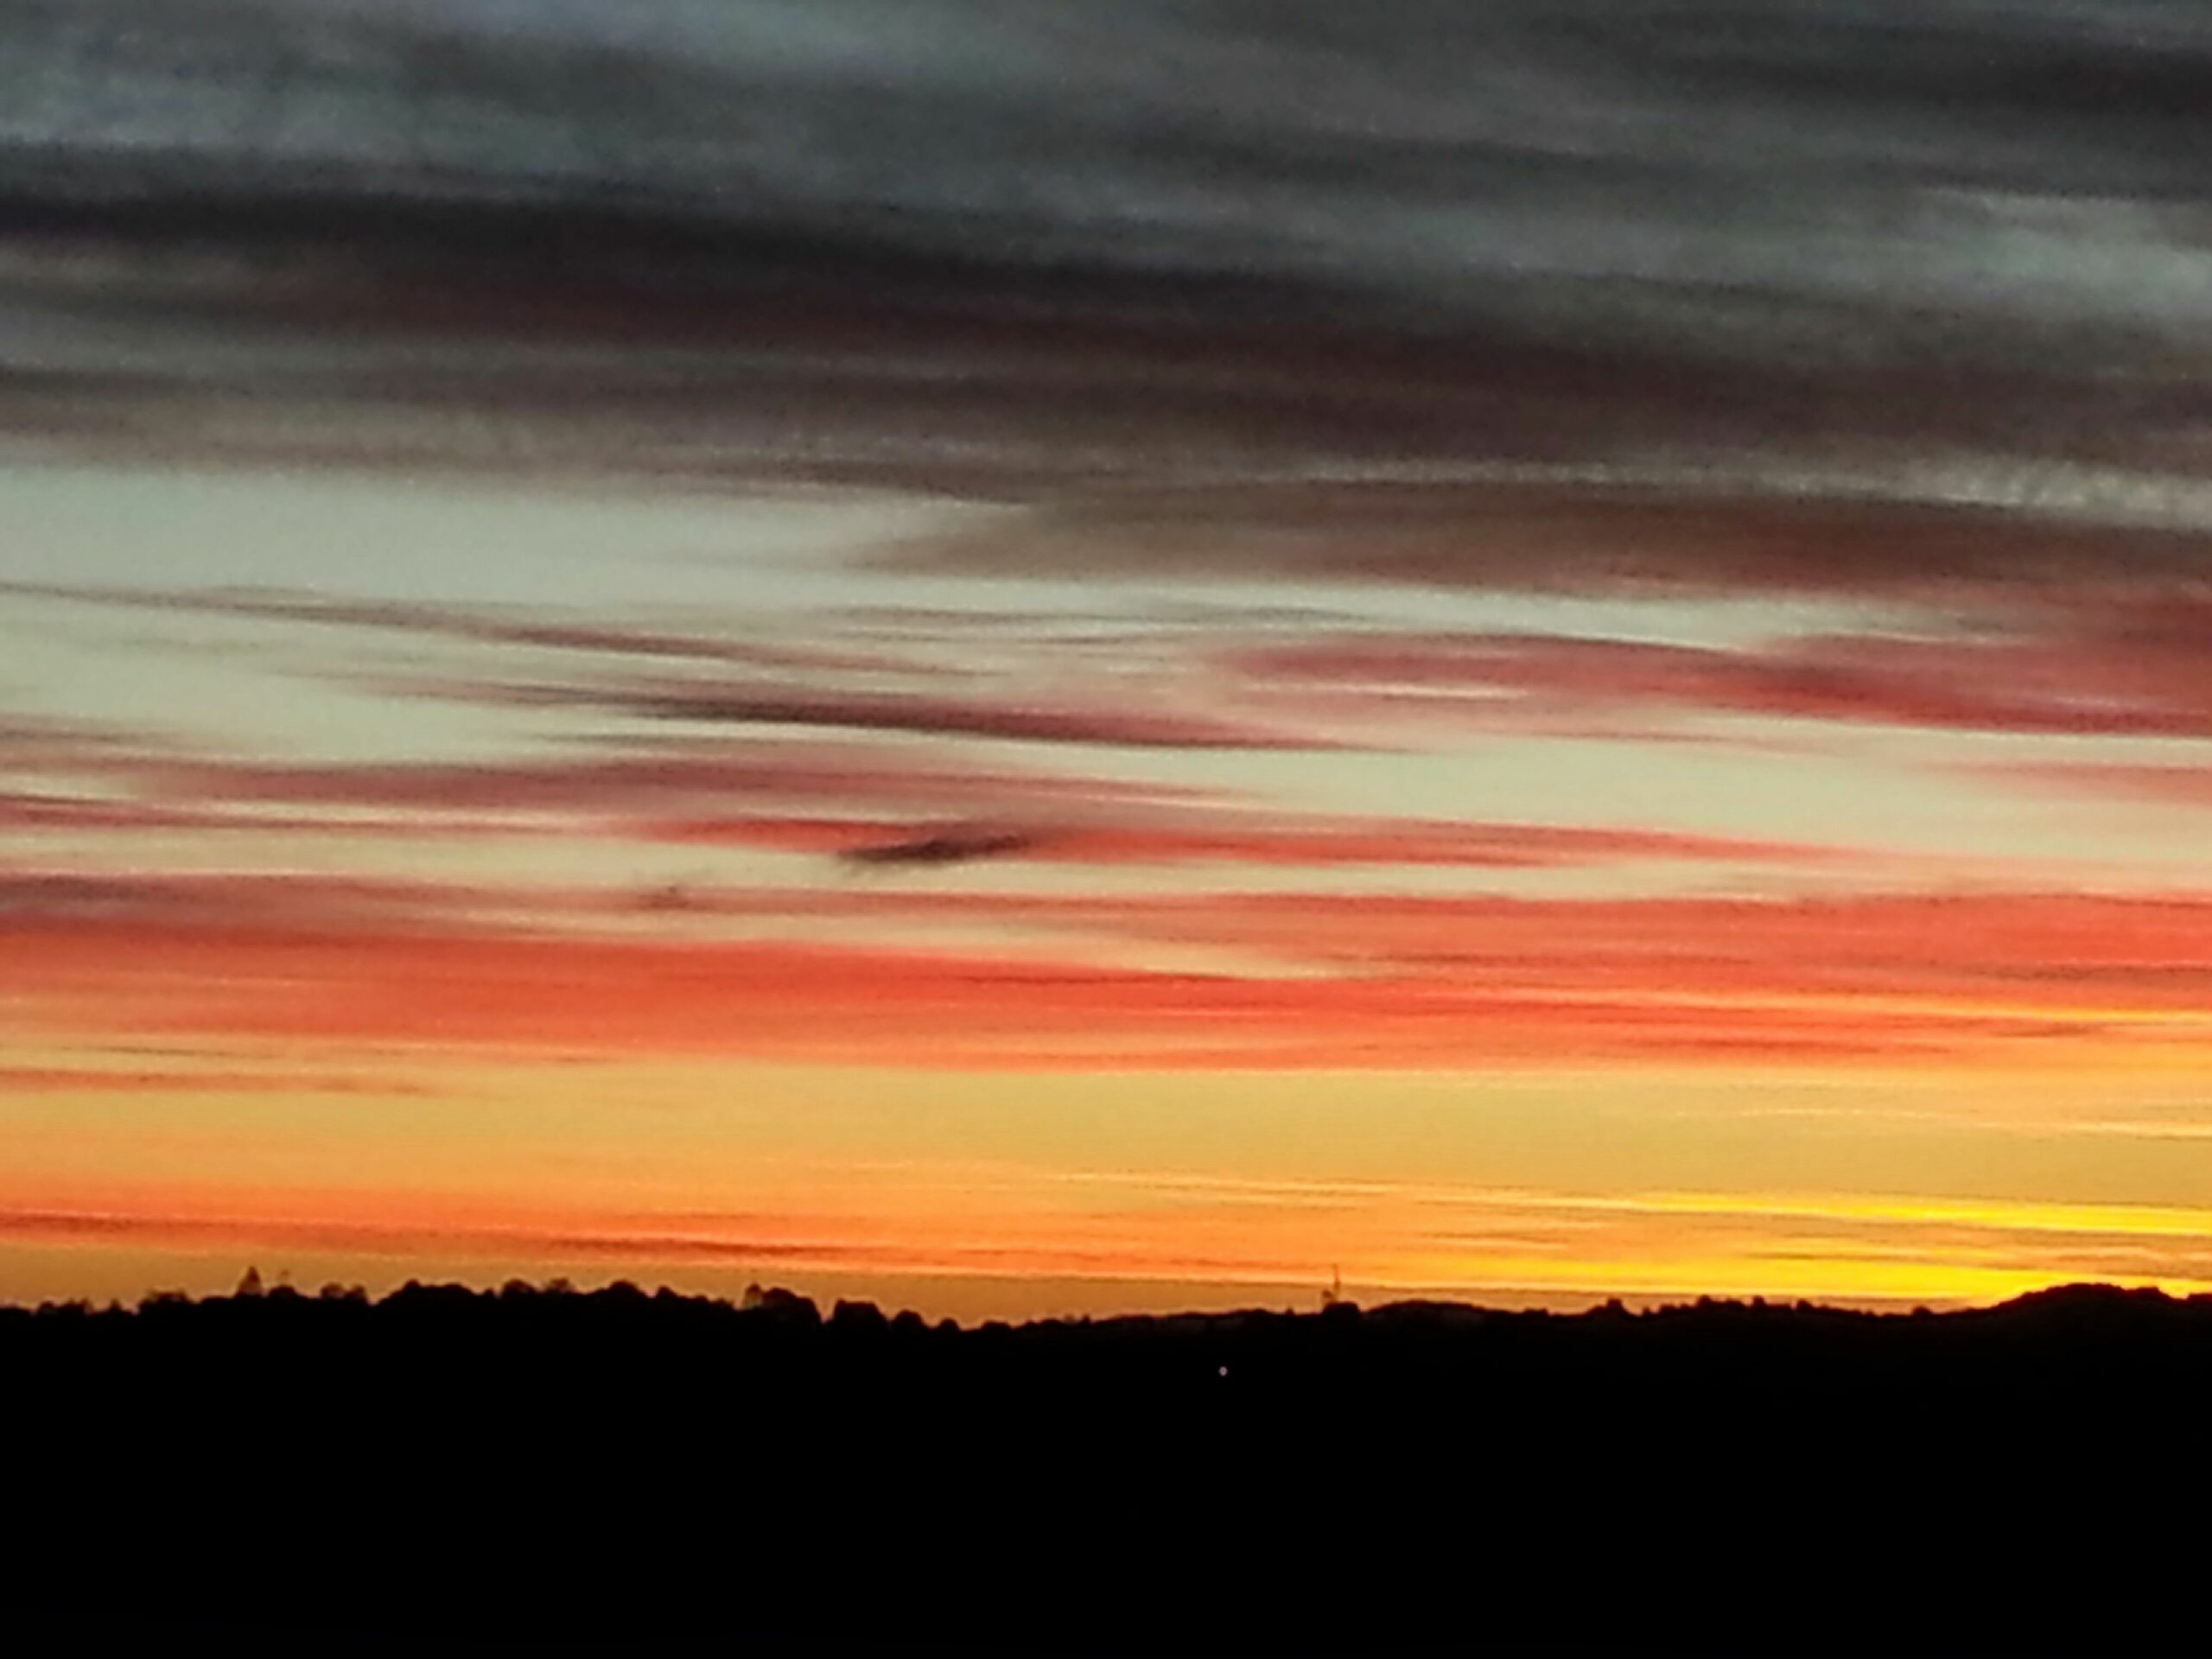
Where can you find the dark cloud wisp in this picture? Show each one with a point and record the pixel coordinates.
(1017, 252)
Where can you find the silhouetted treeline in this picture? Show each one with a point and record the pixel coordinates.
(544, 1465)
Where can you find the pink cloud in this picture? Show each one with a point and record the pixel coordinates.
(2043, 674)
(1374, 982)
(2186, 787)
(1593, 535)
(667, 780)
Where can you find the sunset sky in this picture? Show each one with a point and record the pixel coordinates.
(1026, 659)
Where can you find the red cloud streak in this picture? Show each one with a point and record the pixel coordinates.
(1288, 840)
(2055, 676)
(1364, 981)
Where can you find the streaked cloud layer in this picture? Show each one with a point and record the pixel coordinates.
(1551, 647)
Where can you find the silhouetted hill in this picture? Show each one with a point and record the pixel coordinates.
(541, 1467)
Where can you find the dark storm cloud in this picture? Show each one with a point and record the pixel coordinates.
(1021, 250)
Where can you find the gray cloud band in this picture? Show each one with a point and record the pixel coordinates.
(1950, 254)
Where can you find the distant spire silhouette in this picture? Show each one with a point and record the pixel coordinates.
(251, 1285)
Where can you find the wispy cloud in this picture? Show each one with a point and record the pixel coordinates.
(479, 624)
(1378, 983)
(1239, 836)
(2182, 787)
(716, 242)
(2014, 669)
(1764, 527)
(659, 786)
(1119, 724)
(1273, 399)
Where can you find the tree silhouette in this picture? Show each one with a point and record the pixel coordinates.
(1098, 1486)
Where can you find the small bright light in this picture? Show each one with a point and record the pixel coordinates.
(1224, 1371)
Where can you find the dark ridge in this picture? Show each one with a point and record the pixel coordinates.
(589, 1471)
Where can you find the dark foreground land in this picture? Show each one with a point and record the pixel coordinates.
(528, 1471)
